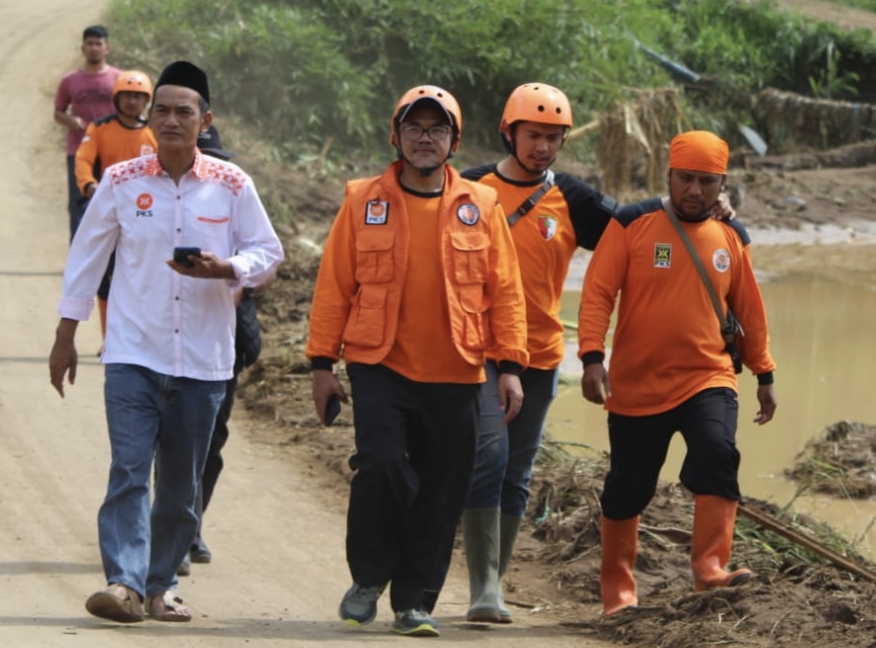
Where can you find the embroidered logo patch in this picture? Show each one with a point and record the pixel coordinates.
(144, 201)
(468, 214)
(662, 255)
(721, 260)
(144, 204)
(376, 212)
(547, 225)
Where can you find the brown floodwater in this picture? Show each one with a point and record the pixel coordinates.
(821, 339)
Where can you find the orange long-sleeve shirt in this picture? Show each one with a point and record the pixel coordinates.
(106, 142)
(667, 345)
(369, 305)
(570, 215)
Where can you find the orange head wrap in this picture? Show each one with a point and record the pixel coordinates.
(699, 151)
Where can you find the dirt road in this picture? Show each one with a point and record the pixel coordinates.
(276, 533)
(845, 17)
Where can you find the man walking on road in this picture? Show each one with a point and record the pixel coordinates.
(672, 366)
(82, 96)
(170, 335)
(418, 279)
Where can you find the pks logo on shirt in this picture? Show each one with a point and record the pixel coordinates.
(468, 214)
(662, 255)
(547, 225)
(376, 212)
(144, 204)
(721, 260)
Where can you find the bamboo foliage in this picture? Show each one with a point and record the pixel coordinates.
(634, 139)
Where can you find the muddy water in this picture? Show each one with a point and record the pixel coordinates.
(822, 340)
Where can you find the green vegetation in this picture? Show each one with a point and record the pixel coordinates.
(323, 75)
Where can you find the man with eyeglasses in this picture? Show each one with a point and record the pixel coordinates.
(419, 278)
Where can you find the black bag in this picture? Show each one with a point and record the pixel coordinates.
(248, 340)
(733, 334)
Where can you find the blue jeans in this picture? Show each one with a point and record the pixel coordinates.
(505, 455)
(171, 419)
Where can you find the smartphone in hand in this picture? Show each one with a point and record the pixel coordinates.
(332, 409)
(181, 255)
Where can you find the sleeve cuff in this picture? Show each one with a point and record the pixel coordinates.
(765, 378)
(320, 362)
(592, 357)
(510, 367)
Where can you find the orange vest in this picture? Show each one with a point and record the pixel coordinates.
(359, 286)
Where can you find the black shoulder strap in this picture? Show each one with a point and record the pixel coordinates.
(530, 202)
(716, 303)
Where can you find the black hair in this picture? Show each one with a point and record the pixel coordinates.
(95, 31)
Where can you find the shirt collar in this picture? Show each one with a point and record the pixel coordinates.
(199, 166)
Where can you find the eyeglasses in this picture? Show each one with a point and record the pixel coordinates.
(415, 132)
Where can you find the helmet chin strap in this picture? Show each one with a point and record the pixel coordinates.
(511, 147)
(425, 172)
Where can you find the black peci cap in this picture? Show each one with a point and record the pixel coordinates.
(187, 75)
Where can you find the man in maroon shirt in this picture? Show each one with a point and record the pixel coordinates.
(84, 95)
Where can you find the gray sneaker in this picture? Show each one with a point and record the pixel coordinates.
(359, 605)
(415, 623)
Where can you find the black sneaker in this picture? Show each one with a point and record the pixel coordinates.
(415, 623)
(359, 605)
(200, 555)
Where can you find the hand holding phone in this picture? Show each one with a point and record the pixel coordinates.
(332, 409)
(181, 255)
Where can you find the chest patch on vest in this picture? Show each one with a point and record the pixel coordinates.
(662, 255)
(376, 212)
(468, 214)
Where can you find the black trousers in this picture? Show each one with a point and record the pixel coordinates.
(415, 447)
(215, 462)
(639, 444)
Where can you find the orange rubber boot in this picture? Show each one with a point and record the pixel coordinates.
(616, 582)
(712, 538)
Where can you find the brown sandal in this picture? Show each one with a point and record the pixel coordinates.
(167, 607)
(116, 603)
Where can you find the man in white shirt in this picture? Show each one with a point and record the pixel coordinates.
(170, 335)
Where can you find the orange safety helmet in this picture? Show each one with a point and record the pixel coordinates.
(439, 95)
(132, 81)
(537, 102)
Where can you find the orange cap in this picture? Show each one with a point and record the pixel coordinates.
(699, 151)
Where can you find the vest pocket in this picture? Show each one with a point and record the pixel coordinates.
(366, 325)
(374, 263)
(471, 261)
(476, 321)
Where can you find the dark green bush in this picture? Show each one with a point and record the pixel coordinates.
(318, 75)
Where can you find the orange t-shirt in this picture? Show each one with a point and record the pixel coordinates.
(424, 306)
(108, 141)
